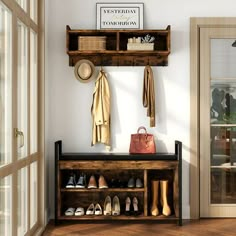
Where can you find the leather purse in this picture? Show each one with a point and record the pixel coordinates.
(142, 142)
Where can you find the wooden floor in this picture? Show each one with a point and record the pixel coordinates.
(214, 227)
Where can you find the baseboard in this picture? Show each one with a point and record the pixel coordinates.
(186, 212)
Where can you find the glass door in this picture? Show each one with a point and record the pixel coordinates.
(21, 126)
(218, 123)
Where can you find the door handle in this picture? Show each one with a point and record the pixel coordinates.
(18, 133)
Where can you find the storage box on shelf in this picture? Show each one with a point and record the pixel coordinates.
(118, 169)
(115, 52)
(92, 43)
(140, 46)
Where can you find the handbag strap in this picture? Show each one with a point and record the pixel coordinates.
(140, 128)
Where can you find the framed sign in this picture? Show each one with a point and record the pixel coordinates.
(119, 15)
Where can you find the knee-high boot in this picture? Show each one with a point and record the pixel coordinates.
(164, 193)
(155, 189)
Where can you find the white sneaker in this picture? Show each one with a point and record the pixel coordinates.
(79, 211)
(70, 211)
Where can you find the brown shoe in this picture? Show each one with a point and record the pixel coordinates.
(102, 182)
(92, 182)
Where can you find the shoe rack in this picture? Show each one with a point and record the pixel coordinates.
(157, 198)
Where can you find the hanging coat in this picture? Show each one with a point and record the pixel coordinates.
(101, 111)
(149, 94)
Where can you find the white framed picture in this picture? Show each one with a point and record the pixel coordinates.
(119, 15)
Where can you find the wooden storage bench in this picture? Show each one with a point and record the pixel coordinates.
(122, 166)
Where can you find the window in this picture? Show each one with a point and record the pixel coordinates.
(33, 93)
(21, 129)
(5, 85)
(22, 3)
(33, 193)
(5, 206)
(33, 10)
(22, 206)
(22, 90)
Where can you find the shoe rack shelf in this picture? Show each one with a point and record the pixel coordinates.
(114, 49)
(148, 167)
(103, 190)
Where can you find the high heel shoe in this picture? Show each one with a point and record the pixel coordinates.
(135, 206)
(92, 182)
(107, 206)
(115, 206)
(90, 210)
(102, 183)
(98, 210)
(127, 206)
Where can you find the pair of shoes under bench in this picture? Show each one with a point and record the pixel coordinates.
(80, 184)
(79, 211)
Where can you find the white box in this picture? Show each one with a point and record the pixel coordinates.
(140, 46)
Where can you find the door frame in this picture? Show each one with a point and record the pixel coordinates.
(196, 23)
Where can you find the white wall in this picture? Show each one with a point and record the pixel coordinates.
(68, 101)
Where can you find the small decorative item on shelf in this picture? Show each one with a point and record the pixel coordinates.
(148, 39)
(145, 43)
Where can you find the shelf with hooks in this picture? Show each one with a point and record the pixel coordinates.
(109, 47)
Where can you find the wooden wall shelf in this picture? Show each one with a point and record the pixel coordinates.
(159, 166)
(116, 53)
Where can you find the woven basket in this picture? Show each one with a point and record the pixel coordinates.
(92, 42)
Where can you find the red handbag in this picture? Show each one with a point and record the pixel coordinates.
(142, 142)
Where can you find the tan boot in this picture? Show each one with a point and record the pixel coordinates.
(155, 189)
(164, 193)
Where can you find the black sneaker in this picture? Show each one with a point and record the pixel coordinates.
(81, 182)
(71, 182)
(131, 183)
(139, 183)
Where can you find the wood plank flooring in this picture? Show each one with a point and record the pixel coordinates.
(214, 227)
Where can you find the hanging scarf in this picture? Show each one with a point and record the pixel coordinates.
(149, 94)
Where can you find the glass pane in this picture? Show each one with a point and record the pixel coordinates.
(5, 86)
(22, 212)
(34, 10)
(223, 186)
(5, 206)
(33, 193)
(33, 93)
(223, 147)
(22, 3)
(22, 89)
(223, 122)
(223, 58)
(223, 164)
(223, 101)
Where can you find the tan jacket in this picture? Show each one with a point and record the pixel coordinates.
(149, 94)
(101, 111)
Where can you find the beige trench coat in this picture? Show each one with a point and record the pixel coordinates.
(101, 111)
